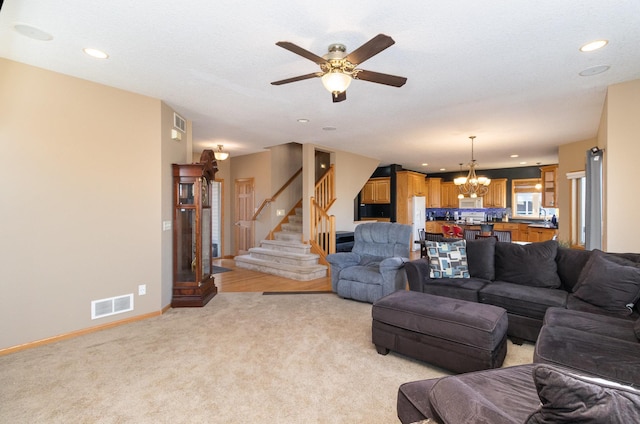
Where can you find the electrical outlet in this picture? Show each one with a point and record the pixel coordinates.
(142, 289)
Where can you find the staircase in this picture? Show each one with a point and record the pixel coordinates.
(286, 256)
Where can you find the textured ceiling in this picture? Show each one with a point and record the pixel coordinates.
(505, 71)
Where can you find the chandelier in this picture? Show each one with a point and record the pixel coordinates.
(472, 185)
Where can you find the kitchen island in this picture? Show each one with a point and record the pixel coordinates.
(520, 230)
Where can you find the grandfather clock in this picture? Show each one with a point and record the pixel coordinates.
(193, 283)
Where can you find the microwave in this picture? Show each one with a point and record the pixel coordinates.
(470, 203)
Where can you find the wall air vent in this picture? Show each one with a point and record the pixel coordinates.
(111, 306)
(179, 122)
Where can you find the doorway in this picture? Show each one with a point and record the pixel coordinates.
(217, 218)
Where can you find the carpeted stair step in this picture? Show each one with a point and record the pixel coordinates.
(288, 236)
(292, 227)
(286, 246)
(283, 257)
(293, 272)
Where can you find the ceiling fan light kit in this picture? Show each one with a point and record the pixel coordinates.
(337, 68)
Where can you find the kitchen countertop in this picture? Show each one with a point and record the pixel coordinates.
(534, 224)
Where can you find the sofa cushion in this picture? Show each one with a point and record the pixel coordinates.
(447, 259)
(481, 258)
(604, 325)
(505, 395)
(571, 398)
(530, 265)
(459, 288)
(522, 300)
(570, 263)
(609, 282)
(588, 353)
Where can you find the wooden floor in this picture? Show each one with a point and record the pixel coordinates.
(245, 280)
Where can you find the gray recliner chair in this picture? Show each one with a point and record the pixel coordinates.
(375, 266)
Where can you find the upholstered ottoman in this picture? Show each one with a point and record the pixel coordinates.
(455, 334)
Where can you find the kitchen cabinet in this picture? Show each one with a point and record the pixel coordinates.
(432, 227)
(512, 227)
(433, 192)
(376, 190)
(549, 177)
(496, 197)
(408, 184)
(449, 195)
(541, 234)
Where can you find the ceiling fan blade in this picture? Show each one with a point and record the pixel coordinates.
(370, 48)
(298, 78)
(386, 79)
(339, 97)
(302, 52)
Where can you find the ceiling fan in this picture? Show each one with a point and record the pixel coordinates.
(338, 68)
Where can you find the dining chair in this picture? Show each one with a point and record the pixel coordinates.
(504, 236)
(470, 234)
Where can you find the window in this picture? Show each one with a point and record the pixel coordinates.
(526, 198)
(578, 208)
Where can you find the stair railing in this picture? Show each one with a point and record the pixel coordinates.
(323, 225)
(268, 200)
(323, 231)
(325, 190)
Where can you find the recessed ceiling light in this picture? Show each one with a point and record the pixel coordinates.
(594, 70)
(514, 156)
(443, 169)
(33, 32)
(95, 53)
(425, 164)
(303, 120)
(594, 45)
(523, 163)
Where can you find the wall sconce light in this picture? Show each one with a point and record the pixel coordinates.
(219, 154)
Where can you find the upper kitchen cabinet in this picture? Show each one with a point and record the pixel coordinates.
(376, 190)
(449, 195)
(433, 192)
(409, 183)
(496, 197)
(549, 175)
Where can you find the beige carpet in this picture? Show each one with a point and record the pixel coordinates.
(243, 358)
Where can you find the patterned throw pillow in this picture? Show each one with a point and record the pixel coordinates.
(447, 259)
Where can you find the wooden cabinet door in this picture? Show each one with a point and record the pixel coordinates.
(433, 192)
(417, 184)
(382, 191)
(548, 175)
(367, 195)
(448, 195)
(496, 197)
(376, 190)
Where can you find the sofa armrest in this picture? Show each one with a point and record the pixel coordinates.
(417, 274)
(338, 262)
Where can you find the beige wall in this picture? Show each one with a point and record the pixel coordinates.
(352, 172)
(81, 170)
(622, 150)
(571, 158)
